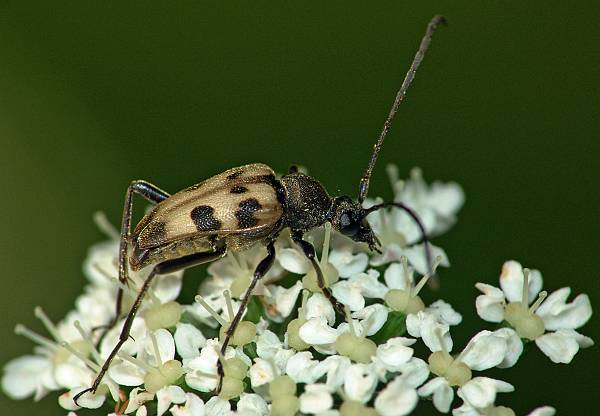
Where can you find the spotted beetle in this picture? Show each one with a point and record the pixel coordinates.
(239, 208)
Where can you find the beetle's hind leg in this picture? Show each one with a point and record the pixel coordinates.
(309, 251)
(262, 269)
(152, 194)
(166, 267)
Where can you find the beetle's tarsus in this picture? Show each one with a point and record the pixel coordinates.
(81, 393)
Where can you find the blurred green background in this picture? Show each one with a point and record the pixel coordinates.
(506, 103)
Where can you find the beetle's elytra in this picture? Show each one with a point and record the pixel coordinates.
(237, 209)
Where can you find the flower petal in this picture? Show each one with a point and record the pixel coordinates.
(416, 257)
(360, 382)
(188, 340)
(480, 392)
(490, 305)
(347, 263)
(396, 399)
(318, 306)
(293, 260)
(315, 399)
(396, 278)
(395, 353)
(485, 350)
(316, 332)
(194, 406)
(511, 281)
(543, 411)
(557, 314)
(562, 345)
(514, 346)
(252, 405)
(441, 391)
(23, 375)
(261, 372)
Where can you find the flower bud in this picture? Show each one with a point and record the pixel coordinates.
(402, 301)
(330, 274)
(239, 286)
(282, 386)
(231, 388)
(293, 331)
(287, 405)
(236, 368)
(163, 316)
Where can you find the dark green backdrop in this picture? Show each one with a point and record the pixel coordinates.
(506, 103)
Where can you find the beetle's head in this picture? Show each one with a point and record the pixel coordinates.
(348, 217)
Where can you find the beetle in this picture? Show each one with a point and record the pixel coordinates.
(239, 208)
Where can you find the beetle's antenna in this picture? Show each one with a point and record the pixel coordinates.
(417, 220)
(431, 27)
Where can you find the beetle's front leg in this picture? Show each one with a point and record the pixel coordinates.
(262, 269)
(309, 251)
(169, 266)
(152, 194)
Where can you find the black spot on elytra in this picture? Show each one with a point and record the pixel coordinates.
(245, 215)
(238, 189)
(235, 174)
(203, 218)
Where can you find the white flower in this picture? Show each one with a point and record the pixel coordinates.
(167, 396)
(194, 406)
(282, 300)
(543, 411)
(217, 407)
(395, 353)
(479, 396)
(270, 348)
(202, 371)
(485, 350)
(316, 399)
(348, 263)
(62, 363)
(303, 369)
(372, 318)
(28, 375)
(262, 372)
(360, 382)
(436, 207)
(396, 399)
(188, 340)
(335, 367)
(252, 405)
(353, 291)
(532, 319)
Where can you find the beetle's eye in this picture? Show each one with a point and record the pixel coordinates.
(348, 226)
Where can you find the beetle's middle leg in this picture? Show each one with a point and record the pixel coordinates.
(262, 269)
(166, 267)
(309, 252)
(152, 194)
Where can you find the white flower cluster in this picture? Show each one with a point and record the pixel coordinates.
(292, 354)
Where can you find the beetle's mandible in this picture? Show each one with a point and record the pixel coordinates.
(237, 209)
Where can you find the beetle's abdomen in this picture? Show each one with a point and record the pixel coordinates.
(307, 202)
(239, 200)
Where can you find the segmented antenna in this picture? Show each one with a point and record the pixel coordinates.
(431, 27)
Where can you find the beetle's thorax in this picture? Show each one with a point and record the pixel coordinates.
(307, 203)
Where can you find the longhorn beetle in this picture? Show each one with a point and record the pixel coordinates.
(239, 208)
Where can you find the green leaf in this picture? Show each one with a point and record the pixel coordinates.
(395, 326)
(255, 310)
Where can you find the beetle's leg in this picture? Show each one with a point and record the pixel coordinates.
(262, 269)
(166, 267)
(309, 252)
(293, 169)
(152, 194)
